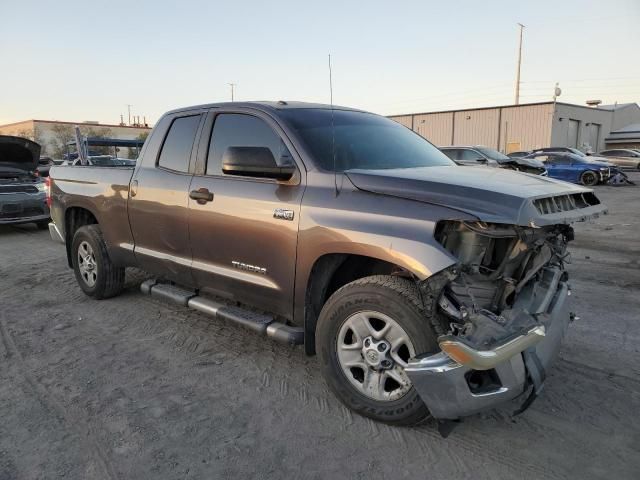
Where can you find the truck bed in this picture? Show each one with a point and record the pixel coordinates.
(101, 190)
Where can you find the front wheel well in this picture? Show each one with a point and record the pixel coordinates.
(331, 272)
(74, 218)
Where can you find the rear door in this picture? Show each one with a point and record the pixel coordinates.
(562, 168)
(159, 202)
(244, 239)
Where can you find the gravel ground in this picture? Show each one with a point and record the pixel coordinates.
(135, 388)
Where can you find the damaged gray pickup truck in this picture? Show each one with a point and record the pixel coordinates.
(424, 287)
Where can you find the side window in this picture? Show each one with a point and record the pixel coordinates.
(240, 130)
(176, 150)
(470, 155)
(452, 153)
(560, 160)
(622, 153)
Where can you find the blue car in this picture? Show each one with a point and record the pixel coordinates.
(575, 168)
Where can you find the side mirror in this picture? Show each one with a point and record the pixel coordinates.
(254, 162)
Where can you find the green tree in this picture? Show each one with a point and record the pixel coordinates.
(97, 132)
(134, 152)
(62, 134)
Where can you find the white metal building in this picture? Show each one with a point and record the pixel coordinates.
(509, 128)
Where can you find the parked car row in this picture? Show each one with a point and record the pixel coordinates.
(478, 155)
(622, 157)
(561, 163)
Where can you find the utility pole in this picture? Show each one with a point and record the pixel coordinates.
(232, 89)
(129, 110)
(519, 63)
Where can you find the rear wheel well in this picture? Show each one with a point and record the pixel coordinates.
(74, 218)
(330, 273)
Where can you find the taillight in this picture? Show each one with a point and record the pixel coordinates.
(47, 189)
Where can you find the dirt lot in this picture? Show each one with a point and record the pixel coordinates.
(135, 388)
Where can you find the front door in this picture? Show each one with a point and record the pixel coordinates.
(244, 237)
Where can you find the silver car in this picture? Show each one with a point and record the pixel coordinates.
(623, 157)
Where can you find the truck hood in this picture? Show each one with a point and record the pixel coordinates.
(18, 155)
(490, 194)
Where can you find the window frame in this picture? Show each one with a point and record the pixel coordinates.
(196, 141)
(205, 143)
(455, 150)
(480, 157)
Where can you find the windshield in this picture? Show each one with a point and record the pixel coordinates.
(577, 152)
(492, 154)
(361, 140)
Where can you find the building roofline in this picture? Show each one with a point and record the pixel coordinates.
(15, 123)
(550, 102)
(74, 123)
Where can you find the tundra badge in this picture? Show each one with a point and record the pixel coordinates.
(248, 268)
(283, 214)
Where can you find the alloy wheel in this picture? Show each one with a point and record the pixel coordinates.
(373, 351)
(87, 264)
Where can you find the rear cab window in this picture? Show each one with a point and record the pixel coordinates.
(178, 143)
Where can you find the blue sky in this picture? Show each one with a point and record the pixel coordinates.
(79, 60)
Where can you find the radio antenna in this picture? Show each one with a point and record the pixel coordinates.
(333, 131)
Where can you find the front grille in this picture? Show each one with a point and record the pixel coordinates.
(21, 213)
(565, 203)
(18, 189)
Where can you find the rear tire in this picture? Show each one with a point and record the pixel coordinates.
(391, 309)
(96, 274)
(589, 178)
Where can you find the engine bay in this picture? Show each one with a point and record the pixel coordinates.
(504, 281)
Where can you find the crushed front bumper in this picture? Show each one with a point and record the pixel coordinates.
(449, 390)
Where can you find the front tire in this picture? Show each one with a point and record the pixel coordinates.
(367, 332)
(589, 178)
(96, 274)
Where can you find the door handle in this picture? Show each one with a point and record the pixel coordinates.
(202, 195)
(134, 188)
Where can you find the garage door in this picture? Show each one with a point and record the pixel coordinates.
(572, 133)
(594, 135)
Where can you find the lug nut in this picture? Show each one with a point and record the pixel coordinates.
(367, 342)
(386, 363)
(382, 347)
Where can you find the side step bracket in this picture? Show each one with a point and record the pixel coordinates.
(258, 322)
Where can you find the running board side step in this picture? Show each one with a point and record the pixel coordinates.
(258, 322)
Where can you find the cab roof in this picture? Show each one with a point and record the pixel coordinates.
(267, 106)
